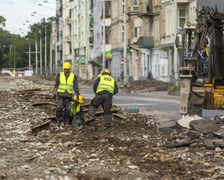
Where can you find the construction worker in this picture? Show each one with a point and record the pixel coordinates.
(65, 83)
(204, 57)
(76, 112)
(104, 87)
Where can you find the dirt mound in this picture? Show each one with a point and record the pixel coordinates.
(148, 86)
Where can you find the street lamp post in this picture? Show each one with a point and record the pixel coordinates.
(29, 52)
(45, 52)
(36, 57)
(103, 62)
(29, 55)
(125, 43)
(41, 65)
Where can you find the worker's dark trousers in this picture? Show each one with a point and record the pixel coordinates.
(62, 109)
(104, 99)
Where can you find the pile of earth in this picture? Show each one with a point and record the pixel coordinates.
(147, 85)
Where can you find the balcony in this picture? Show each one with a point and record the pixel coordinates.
(166, 1)
(178, 1)
(146, 42)
(133, 10)
(148, 9)
(183, 1)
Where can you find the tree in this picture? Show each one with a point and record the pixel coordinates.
(12, 45)
(2, 20)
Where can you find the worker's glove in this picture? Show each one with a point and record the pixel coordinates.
(77, 97)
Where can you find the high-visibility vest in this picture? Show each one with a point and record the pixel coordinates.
(207, 51)
(66, 85)
(77, 109)
(106, 83)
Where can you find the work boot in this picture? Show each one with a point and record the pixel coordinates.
(92, 111)
(107, 125)
(58, 115)
(107, 118)
(66, 118)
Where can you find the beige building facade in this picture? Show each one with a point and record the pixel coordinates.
(151, 29)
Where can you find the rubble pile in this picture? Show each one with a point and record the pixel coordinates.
(134, 148)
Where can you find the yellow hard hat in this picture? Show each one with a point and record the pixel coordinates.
(105, 71)
(66, 65)
(80, 100)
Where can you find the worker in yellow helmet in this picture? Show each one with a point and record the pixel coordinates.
(76, 112)
(66, 82)
(104, 87)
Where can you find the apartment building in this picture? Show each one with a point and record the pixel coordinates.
(91, 35)
(72, 24)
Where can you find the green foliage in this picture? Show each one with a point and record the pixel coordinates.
(2, 20)
(14, 48)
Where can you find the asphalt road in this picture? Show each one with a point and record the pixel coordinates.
(159, 104)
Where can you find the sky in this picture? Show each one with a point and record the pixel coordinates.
(18, 13)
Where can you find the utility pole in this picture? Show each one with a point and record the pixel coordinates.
(29, 55)
(51, 54)
(45, 53)
(41, 65)
(125, 43)
(36, 49)
(29, 52)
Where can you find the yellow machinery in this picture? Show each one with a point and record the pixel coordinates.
(202, 72)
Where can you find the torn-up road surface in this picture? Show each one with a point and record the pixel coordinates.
(34, 147)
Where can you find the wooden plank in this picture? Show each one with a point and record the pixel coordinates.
(36, 127)
(44, 103)
(119, 116)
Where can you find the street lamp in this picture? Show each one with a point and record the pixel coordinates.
(45, 6)
(45, 1)
(103, 34)
(125, 42)
(29, 52)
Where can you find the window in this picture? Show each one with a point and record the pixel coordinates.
(123, 5)
(136, 2)
(122, 31)
(136, 32)
(182, 17)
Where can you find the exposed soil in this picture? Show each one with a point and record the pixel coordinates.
(134, 148)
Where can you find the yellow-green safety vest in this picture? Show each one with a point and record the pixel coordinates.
(106, 83)
(63, 85)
